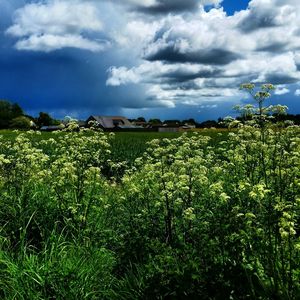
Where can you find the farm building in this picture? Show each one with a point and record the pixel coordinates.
(175, 128)
(51, 128)
(109, 122)
(168, 129)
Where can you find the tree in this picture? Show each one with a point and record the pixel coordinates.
(155, 121)
(189, 121)
(172, 122)
(44, 119)
(8, 111)
(21, 122)
(208, 124)
(141, 119)
(4, 113)
(16, 110)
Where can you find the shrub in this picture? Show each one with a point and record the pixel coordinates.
(20, 123)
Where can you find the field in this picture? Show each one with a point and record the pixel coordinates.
(205, 215)
(127, 146)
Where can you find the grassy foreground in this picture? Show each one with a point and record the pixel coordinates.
(209, 215)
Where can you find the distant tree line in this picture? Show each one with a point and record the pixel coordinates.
(13, 116)
(174, 122)
(213, 123)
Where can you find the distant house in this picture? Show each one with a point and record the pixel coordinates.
(187, 126)
(168, 129)
(141, 124)
(111, 122)
(51, 128)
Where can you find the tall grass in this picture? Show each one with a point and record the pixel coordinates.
(130, 216)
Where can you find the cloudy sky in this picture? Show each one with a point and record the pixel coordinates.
(152, 58)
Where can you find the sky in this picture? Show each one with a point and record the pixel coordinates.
(167, 59)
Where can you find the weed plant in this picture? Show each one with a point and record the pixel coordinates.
(189, 219)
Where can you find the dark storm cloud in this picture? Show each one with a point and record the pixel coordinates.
(166, 6)
(276, 47)
(259, 18)
(184, 85)
(280, 78)
(209, 83)
(208, 56)
(181, 77)
(64, 80)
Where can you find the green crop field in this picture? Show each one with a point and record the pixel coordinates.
(205, 215)
(126, 146)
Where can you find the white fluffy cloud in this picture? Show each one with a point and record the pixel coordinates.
(297, 92)
(206, 55)
(281, 90)
(55, 24)
(176, 83)
(157, 72)
(49, 42)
